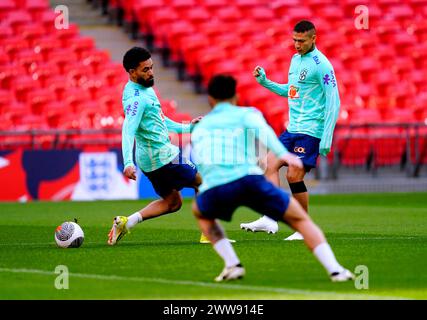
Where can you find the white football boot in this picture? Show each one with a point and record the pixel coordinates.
(342, 276)
(264, 224)
(295, 236)
(231, 273)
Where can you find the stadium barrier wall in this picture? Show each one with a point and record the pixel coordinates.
(87, 164)
(92, 173)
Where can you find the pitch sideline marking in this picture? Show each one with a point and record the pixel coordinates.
(41, 244)
(206, 284)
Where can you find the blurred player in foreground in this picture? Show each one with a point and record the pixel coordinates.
(224, 151)
(160, 160)
(314, 104)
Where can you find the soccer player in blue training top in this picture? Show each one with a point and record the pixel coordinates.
(225, 153)
(314, 104)
(158, 159)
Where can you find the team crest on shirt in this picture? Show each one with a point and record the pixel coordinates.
(303, 74)
(293, 92)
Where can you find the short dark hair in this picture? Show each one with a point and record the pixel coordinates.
(222, 87)
(303, 26)
(133, 57)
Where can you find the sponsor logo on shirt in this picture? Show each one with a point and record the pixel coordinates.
(136, 93)
(333, 81)
(293, 92)
(131, 109)
(329, 78)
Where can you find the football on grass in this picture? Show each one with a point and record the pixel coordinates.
(69, 235)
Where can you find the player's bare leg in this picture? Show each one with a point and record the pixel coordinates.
(216, 236)
(295, 177)
(271, 166)
(170, 203)
(299, 220)
(122, 224)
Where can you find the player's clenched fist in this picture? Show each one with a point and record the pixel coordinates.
(130, 172)
(256, 71)
(259, 74)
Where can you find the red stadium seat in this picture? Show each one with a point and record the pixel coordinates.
(6, 97)
(13, 45)
(77, 75)
(47, 19)
(188, 51)
(23, 86)
(388, 147)
(298, 13)
(354, 149)
(159, 20)
(96, 60)
(17, 18)
(6, 7)
(229, 14)
(31, 32)
(56, 113)
(65, 36)
(396, 115)
(38, 100)
(81, 44)
(62, 58)
(113, 74)
(45, 46)
(401, 12)
(143, 10)
(261, 14)
(282, 7)
(386, 29)
(28, 59)
(214, 5)
(57, 85)
(175, 32)
(364, 116)
(197, 16)
(41, 72)
(5, 32)
(419, 29)
(75, 98)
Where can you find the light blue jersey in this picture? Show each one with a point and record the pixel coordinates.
(224, 144)
(145, 123)
(313, 97)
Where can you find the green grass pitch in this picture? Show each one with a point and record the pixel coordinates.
(162, 259)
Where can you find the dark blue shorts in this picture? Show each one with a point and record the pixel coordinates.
(304, 146)
(253, 191)
(175, 175)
